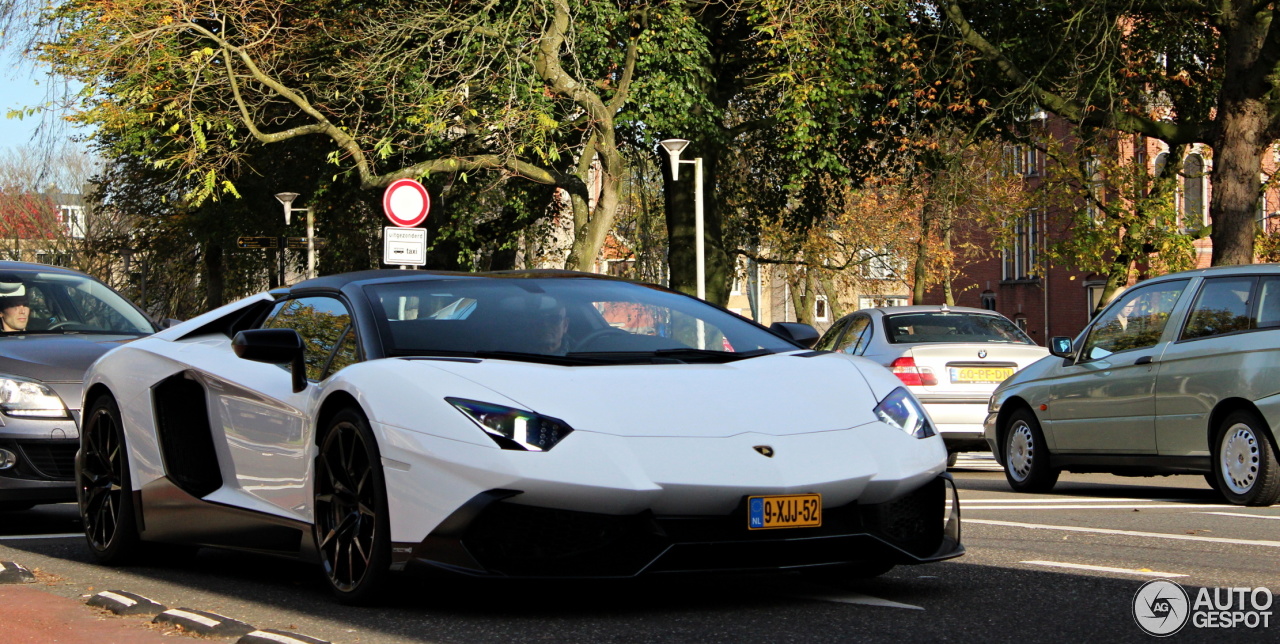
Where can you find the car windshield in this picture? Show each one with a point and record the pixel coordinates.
(950, 326)
(34, 302)
(561, 320)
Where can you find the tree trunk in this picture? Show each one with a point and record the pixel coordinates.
(1236, 181)
(920, 276)
(214, 283)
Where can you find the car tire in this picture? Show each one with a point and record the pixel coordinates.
(104, 490)
(1026, 455)
(1245, 470)
(352, 529)
(952, 457)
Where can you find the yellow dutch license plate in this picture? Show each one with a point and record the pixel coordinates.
(784, 511)
(980, 375)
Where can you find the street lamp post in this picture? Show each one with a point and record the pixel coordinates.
(287, 199)
(674, 147)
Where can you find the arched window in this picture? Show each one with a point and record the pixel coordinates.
(1193, 191)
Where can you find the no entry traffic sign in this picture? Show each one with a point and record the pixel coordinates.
(406, 203)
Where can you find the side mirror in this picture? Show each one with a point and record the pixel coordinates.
(1061, 346)
(274, 346)
(801, 334)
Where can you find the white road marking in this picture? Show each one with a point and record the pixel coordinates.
(856, 598)
(199, 619)
(1242, 514)
(1125, 571)
(20, 537)
(1129, 506)
(1129, 533)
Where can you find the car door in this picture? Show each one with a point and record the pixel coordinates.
(264, 421)
(1104, 402)
(1228, 342)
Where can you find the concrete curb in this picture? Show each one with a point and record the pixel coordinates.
(271, 636)
(12, 573)
(203, 623)
(125, 603)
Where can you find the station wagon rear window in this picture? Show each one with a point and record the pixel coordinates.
(911, 328)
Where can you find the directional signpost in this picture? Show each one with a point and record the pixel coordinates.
(406, 204)
(300, 243)
(259, 243)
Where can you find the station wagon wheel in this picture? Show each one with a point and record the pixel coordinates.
(103, 488)
(1026, 455)
(351, 523)
(1244, 461)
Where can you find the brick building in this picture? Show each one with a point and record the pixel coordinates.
(1054, 300)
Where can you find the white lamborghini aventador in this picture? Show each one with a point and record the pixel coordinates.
(540, 424)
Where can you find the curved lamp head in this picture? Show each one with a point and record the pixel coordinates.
(674, 147)
(287, 198)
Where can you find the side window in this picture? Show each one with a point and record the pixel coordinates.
(853, 343)
(345, 354)
(322, 322)
(1268, 310)
(1135, 321)
(828, 340)
(1221, 307)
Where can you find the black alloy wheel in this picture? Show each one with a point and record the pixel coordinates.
(103, 487)
(351, 524)
(1026, 455)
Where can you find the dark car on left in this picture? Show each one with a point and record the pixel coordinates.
(54, 322)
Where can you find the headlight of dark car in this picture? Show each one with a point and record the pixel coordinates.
(21, 397)
(514, 428)
(901, 410)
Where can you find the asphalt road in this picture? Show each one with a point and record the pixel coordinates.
(1056, 567)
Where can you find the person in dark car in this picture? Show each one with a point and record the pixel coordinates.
(15, 308)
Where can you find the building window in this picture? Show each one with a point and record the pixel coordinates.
(879, 265)
(989, 300)
(1193, 192)
(54, 259)
(72, 217)
(1093, 295)
(820, 311)
(1021, 322)
(877, 301)
(1020, 259)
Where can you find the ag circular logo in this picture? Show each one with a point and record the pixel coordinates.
(1161, 607)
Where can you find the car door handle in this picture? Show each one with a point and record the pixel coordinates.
(1143, 360)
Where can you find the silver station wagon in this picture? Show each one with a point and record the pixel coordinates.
(1179, 375)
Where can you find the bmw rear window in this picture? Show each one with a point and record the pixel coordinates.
(944, 327)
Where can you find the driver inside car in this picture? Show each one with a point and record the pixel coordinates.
(15, 308)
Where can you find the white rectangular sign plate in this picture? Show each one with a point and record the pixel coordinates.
(404, 246)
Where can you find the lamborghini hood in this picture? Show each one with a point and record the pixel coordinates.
(773, 395)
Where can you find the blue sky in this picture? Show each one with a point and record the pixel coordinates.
(22, 85)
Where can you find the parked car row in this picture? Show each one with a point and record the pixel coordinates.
(551, 423)
(1178, 375)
